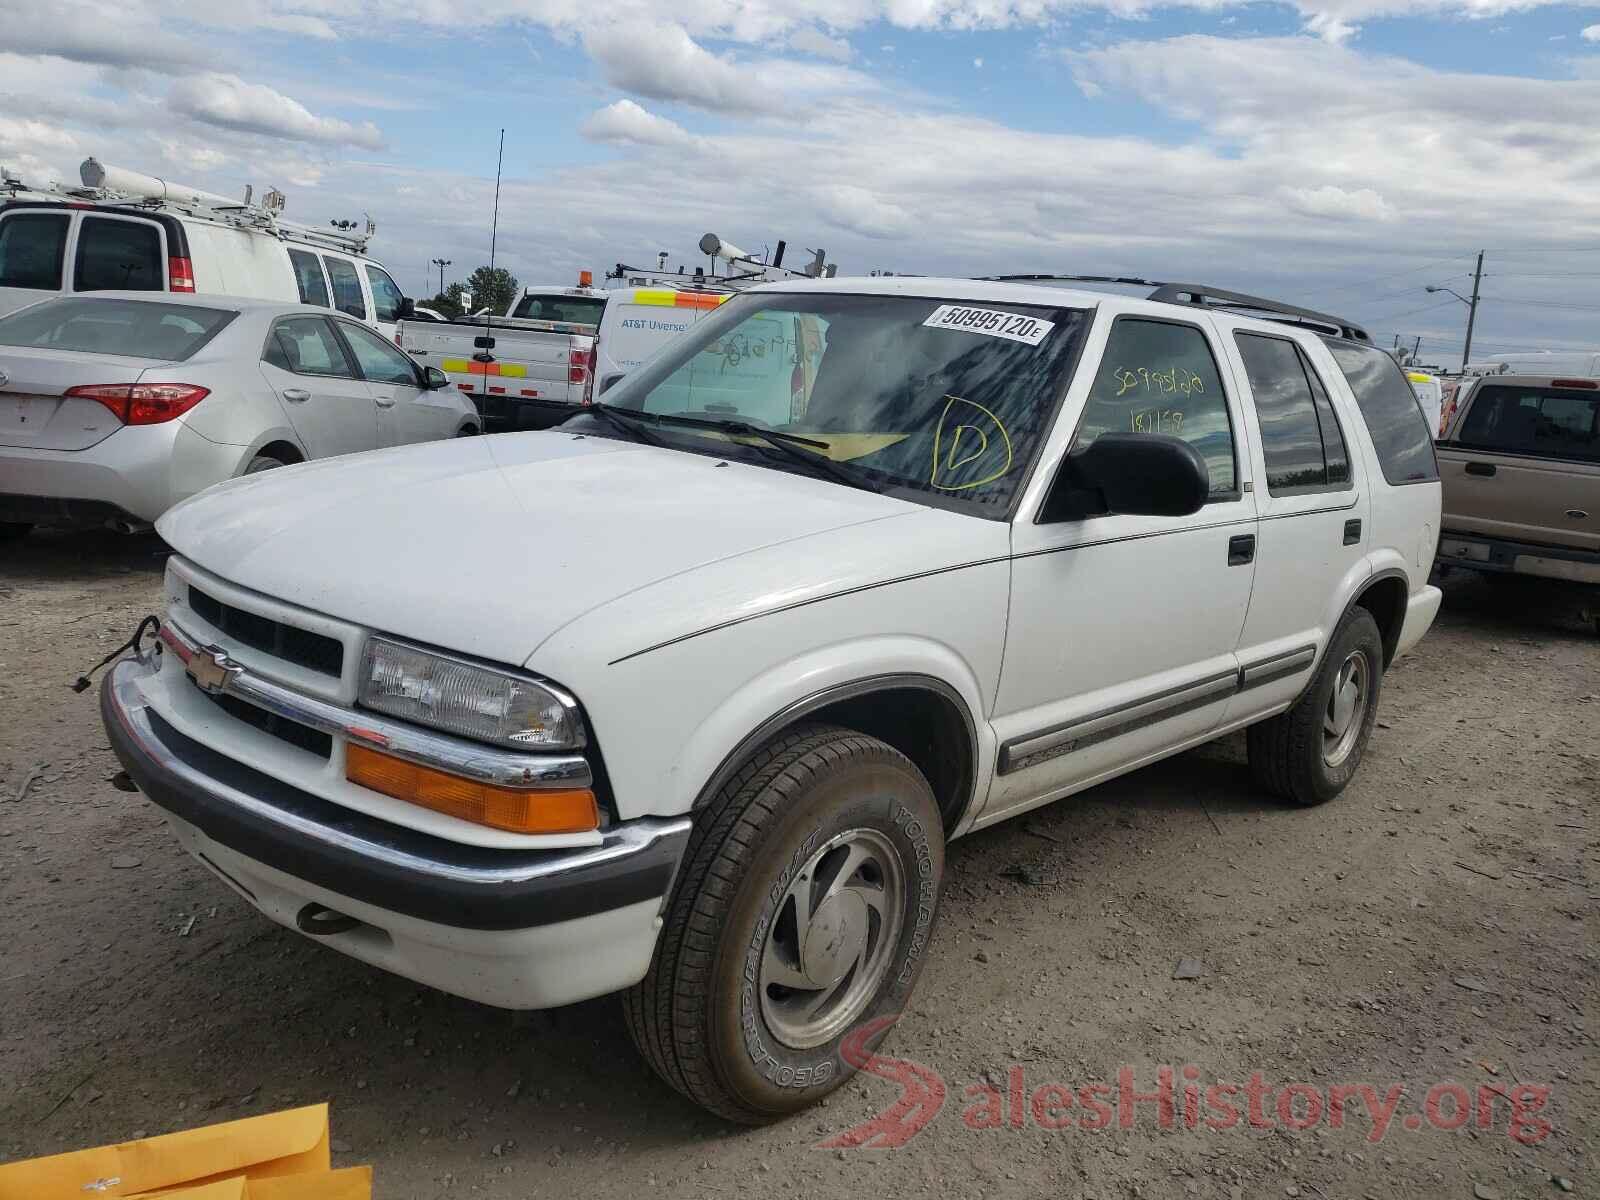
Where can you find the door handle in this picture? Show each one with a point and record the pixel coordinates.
(1475, 468)
(384, 401)
(1352, 531)
(1241, 549)
(298, 395)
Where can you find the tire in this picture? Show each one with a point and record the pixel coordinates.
(708, 1016)
(14, 531)
(467, 431)
(264, 462)
(1303, 756)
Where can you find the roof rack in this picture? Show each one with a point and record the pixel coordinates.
(123, 188)
(1203, 296)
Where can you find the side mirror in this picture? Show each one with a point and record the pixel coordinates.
(1138, 474)
(433, 379)
(605, 383)
(407, 309)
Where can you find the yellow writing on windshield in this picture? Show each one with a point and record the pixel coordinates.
(969, 440)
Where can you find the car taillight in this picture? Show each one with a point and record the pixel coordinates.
(143, 403)
(1586, 384)
(578, 366)
(180, 273)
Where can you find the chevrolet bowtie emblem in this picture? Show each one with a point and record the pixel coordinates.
(210, 669)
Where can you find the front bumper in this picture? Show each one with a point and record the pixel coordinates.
(514, 928)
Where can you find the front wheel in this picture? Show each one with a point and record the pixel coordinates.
(802, 913)
(1310, 753)
(264, 462)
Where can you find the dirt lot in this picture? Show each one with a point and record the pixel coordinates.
(1428, 927)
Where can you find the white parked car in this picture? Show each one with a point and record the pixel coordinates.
(114, 407)
(686, 697)
(125, 231)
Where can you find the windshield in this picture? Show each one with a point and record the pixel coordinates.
(909, 393)
(136, 328)
(574, 310)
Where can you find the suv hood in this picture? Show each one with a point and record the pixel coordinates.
(489, 545)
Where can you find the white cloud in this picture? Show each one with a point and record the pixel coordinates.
(662, 62)
(814, 41)
(1359, 204)
(230, 102)
(857, 210)
(978, 63)
(1591, 33)
(625, 121)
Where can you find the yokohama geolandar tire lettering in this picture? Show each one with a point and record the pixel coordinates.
(707, 1016)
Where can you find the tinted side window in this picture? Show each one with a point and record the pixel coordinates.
(1559, 422)
(1161, 378)
(308, 278)
(31, 248)
(347, 296)
(307, 346)
(1399, 431)
(1300, 437)
(1333, 449)
(380, 362)
(119, 256)
(385, 295)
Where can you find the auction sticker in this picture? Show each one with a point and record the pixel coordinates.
(990, 321)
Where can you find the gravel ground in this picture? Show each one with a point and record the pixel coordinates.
(1428, 927)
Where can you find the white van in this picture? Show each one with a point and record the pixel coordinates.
(124, 231)
(638, 321)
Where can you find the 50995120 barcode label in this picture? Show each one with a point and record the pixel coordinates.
(990, 321)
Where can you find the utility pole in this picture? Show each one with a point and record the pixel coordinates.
(1472, 314)
(442, 263)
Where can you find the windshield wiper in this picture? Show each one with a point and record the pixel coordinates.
(790, 444)
(628, 423)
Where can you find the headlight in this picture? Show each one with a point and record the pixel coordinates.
(466, 699)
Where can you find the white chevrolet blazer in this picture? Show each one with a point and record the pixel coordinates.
(686, 696)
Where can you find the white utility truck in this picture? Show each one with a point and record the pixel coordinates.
(560, 346)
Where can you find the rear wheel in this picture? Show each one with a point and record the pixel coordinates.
(1310, 753)
(802, 913)
(264, 462)
(14, 531)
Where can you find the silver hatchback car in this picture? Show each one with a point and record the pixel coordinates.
(114, 407)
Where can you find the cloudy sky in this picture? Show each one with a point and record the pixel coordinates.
(1340, 153)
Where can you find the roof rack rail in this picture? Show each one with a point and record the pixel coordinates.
(1210, 297)
(1202, 296)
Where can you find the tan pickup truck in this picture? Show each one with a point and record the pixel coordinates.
(1520, 463)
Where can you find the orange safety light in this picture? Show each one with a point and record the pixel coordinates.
(567, 810)
(585, 278)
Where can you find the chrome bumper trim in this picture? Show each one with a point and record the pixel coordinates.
(214, 672)
(128, 714)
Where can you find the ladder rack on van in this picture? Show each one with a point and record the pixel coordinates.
(243, 215)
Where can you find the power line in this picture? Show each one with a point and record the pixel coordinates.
(1543, 303)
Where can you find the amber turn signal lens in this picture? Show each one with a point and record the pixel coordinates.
(566, 811)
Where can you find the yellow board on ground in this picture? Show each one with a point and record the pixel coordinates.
(278, 1156)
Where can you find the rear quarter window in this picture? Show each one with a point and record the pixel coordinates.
(32, 246)
(1389, 407)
